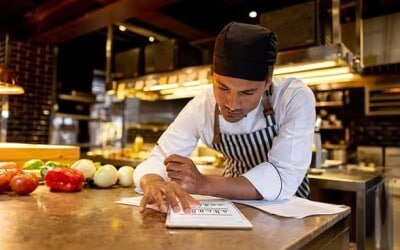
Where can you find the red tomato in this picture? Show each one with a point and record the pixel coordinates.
(4, 182)
(5, 177)
(24, 183)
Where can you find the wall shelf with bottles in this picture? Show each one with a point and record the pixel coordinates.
(331, 107)
(177, 84)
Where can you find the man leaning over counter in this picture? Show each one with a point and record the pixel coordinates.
(262, 125)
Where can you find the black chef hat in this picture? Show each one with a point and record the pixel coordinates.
(244, 51)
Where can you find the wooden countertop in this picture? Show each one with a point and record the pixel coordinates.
(92, 220)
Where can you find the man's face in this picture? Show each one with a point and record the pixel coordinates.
(236, 97)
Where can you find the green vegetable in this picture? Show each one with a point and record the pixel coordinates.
(33, 164)
(56, 164)
(43, 170)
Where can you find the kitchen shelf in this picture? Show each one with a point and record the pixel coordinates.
(79, 117)
(331, 127)
(335, 146)
(76, 98)
(330, 104)
(86, 145)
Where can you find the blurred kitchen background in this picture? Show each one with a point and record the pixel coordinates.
(111, 75)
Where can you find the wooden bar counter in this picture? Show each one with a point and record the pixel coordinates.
(92, 220)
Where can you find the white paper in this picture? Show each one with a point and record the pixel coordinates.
(210, 214)
(294, 207)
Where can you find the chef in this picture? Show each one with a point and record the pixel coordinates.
(262, 125)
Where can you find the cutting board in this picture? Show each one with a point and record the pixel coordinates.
(22, 152)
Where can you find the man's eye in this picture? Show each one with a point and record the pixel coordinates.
(248, 92)
(223, 88)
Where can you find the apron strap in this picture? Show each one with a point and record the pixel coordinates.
(217, 134)
(268, 110)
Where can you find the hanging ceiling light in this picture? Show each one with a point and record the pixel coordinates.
(8, 84)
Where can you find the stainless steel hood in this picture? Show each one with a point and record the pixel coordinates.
(319, 53)
(311, 40)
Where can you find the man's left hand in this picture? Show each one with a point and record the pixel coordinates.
(183, 171)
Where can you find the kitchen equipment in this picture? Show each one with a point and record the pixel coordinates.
(387, 211)
(370, 154)
(316, 161)
(170, 55)
(339, 154)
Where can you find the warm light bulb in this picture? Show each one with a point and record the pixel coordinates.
(253, 14)
(122, 28)
(151, 39)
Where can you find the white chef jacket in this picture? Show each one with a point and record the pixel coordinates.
(294, 107)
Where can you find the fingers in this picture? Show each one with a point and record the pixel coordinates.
(173, 201)
(175, 175)
(168, 194)
(161, 203)
(155, 198)
(173, 166)
(146, 199)
(184, 199)
(176, 159)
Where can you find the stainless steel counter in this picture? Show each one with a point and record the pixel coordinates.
(352, 180)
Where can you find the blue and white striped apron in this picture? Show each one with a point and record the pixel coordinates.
(242, 152)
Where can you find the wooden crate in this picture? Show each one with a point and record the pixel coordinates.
(21, 152)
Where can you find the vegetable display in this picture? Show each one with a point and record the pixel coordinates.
(61, 177)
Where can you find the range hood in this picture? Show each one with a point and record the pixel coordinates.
(310, 42)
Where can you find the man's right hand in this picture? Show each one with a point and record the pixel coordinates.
(164, 194)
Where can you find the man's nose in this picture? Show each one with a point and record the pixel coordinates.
(232, 101)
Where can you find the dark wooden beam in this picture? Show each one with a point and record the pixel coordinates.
(53, 13)
(172, 25)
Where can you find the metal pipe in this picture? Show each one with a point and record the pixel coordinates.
(4, 98)
(359, 26)
(108, 56)
(336, 28)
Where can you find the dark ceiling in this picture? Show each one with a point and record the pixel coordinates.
(55, 21)
(79, 27)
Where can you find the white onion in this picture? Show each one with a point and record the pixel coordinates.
(125, 176)
(86, 166)
(105, 176)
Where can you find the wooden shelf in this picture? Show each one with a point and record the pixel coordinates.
(330, 104)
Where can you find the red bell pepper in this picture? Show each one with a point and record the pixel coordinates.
(64, 180)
